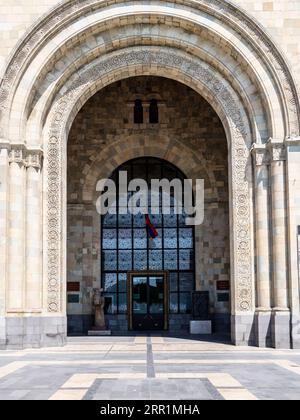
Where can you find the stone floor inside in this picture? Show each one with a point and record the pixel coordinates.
(149, 367)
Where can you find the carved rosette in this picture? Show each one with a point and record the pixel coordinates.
(241, 161)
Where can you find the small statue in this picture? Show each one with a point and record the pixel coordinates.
(99, 301)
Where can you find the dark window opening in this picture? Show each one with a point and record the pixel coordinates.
(138, 112)
(153, 112)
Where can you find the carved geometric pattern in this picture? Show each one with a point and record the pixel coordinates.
(226, 12)
(201, 74)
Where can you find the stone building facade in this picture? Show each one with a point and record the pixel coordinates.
(225, 76)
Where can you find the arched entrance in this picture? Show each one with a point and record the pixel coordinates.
(188, 137)
(212, 47)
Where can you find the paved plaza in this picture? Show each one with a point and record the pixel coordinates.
(149, 367)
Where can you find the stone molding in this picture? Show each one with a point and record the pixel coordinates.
(242, 23)
(240, 141)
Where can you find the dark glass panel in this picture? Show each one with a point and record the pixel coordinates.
(169, 172)
(125, 220)
(138, 112)
(170, 260)
(125, 238)
(140, 260)
(186, 238)
(185, 303)
(153, 112)
(173, 279)
(186, 259)
(154, 171)
(155, 260)
(122, 282)
(109, 260)
(139, 239)
(156, 295)
(109, 220)
(139, 220)
(140, 171)
(139, 295)
(125, 260)
(170, 219)
(109, 240)
(110, 282)
(186, 282)
(173, 303)
(170, 238)
(110, 306)
(122, 303)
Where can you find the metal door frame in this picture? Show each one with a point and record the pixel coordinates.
(165, 275)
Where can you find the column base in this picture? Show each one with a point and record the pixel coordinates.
(281, 331)
(243, 330)
(263, 334)
(295, 329)
(34, 332)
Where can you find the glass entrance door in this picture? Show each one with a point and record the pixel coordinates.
(147, 301)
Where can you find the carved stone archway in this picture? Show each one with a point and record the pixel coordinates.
(211, 46)
(203, 79)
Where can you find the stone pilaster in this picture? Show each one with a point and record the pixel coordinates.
(33, 278)
(293, 206)
(16, 230)
(263, 276)
(281, 313)
(4, 163)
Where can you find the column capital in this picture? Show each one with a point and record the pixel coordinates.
(33, 158)
(277, 150)
(261, 155)
(17, 153)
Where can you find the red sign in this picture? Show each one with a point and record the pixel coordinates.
(223, 285)
(73, 286)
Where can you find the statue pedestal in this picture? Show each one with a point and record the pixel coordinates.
(98, 333)
(200, 327)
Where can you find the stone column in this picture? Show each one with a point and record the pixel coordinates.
(281, 313)
(4, 191)
(16, 233)
(33, 282)
(262, 212)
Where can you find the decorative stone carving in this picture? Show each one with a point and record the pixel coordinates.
(260, 155)
(204, 75)
(17, 154)
(277, 150)
(33, 159)
(228, 13)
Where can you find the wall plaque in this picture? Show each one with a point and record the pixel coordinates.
(223, 285)
(73, 286)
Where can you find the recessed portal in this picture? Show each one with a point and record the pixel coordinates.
(188, 141)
